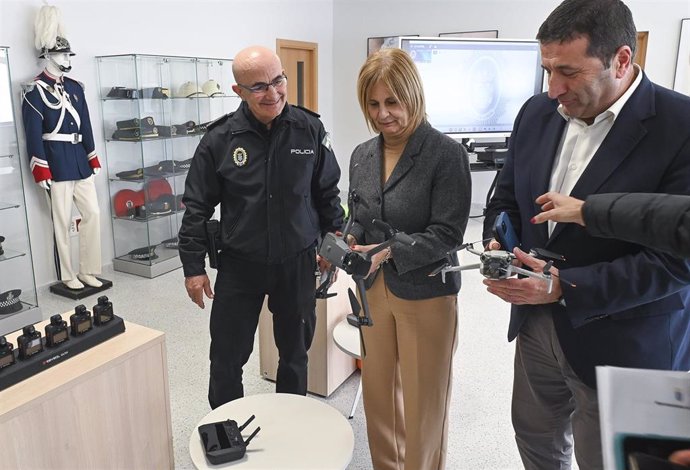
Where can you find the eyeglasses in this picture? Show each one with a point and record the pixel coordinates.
(263, 87)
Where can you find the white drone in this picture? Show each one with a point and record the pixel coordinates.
(498, 264)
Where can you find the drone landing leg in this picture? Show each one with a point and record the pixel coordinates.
(364, 320)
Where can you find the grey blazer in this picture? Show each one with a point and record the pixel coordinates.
(427, 196)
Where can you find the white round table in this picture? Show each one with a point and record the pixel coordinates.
(296, 433)
(346, 337)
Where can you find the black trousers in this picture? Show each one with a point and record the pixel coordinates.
(239, 294)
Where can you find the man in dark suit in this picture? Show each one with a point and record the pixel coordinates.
(602, 127)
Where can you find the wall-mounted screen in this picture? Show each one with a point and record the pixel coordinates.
(475, 87)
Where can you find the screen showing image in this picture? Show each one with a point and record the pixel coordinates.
(476, 87)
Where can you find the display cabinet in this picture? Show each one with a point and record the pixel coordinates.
(155, 110)
(18, 303)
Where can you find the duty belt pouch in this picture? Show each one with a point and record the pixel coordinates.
(213, 242)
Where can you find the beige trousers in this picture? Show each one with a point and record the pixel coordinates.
(83, 194)
(407, 378)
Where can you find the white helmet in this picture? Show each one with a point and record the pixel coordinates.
(190, 89)
(212, 88)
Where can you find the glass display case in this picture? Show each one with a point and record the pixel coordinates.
(18, 300)
(155, 111)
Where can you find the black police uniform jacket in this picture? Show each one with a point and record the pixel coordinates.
(277, 189)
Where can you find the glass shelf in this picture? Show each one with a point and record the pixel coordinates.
(6, 205)
(10, 254)
(174, 74)
(16, 265)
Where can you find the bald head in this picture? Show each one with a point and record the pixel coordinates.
(254, 59)
(260, 82)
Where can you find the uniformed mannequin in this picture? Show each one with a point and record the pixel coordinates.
(63, 158)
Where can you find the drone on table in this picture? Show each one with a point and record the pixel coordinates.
(335, 250)
(499, 264)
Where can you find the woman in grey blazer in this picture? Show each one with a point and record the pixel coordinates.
(417, 180)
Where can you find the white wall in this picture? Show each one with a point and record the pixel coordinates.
(355, 20)
(340, 27)
(189, 28)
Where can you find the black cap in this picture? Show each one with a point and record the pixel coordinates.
(10, 302)
(146, 253)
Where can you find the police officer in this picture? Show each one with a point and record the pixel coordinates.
(63, 159)
(271, 168)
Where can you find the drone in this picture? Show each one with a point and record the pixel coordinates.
(335, 250)
(498, 264)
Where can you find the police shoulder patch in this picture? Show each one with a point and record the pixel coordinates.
(218, 121)
(326, 142)
(309, 111)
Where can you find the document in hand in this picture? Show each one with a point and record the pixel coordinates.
(642, 412)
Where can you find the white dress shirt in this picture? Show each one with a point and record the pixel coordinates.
(580, 141)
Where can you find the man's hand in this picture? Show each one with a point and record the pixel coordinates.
(96, 171)
(528, 290)
(45, 184)
(493, 245)
(559, 208)
(196, 287)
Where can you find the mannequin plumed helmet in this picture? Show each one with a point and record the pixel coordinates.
(50, 35)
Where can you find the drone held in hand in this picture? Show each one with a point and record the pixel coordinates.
(499, 264)
(335, 250)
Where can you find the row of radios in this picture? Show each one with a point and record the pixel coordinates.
(57, 331)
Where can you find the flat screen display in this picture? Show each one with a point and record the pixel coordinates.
(474, 88)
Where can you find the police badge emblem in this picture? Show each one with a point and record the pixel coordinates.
(239, 156)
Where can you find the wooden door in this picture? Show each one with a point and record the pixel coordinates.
(300, 61)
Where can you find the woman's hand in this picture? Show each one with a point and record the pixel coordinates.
(559, 208)
(377, 260)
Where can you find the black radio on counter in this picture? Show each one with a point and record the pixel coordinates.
(80, 321)
(102, 311)
(56, 331)
(6, 354)
(29, 342)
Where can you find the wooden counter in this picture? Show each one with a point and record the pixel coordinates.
(108, 407)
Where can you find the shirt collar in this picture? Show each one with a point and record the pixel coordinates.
(50, 79)
(615, 109)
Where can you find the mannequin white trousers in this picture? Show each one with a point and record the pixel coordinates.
(83, 193)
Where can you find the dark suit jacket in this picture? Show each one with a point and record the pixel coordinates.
(660, 221)
(427, 196)
(630, 304)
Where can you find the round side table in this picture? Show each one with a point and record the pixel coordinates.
(347, 339)
(296, 432)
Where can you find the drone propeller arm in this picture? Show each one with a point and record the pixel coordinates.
(544, 277)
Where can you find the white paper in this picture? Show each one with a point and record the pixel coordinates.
(653, 403)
